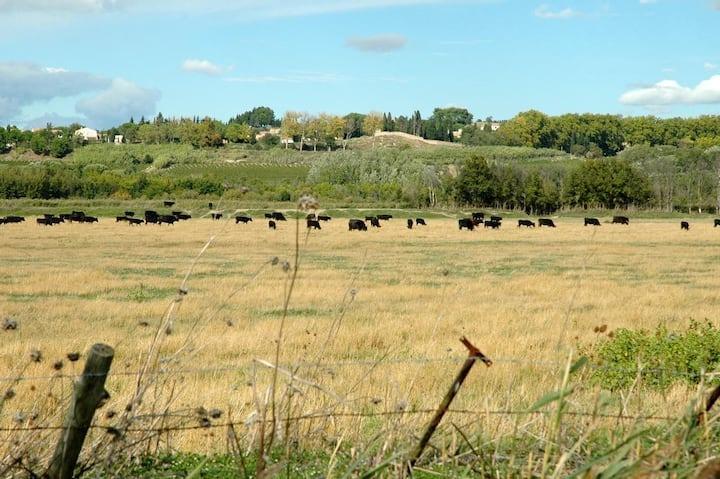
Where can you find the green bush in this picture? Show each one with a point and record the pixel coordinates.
(661, 357)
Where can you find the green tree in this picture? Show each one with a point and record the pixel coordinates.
(607, 183)
(239, 133)
(476, 183)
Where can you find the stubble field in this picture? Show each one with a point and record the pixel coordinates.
(373, 321)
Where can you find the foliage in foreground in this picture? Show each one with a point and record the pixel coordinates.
(658, 358)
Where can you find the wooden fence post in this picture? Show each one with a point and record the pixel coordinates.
(474, 355)
(88, 393)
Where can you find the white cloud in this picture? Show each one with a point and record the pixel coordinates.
(384, 43)
(206, 67)
(545, 12)
(53, 118)
(22, 84)
(118, 103)
(248, 8)
(710, 66)
(670, 92)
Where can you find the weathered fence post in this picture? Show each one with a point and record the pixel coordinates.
(88, 393)
(474, 355)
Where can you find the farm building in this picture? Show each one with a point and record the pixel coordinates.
(87, 134)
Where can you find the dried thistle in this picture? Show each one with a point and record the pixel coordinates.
(72, 357)
(36, 355)
(274, 260)
(9, 394)
(9, 324)
(285, 266)
(58, 365)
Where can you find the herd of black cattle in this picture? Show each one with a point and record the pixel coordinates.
(312, 220)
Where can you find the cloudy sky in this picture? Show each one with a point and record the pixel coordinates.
(101, 61)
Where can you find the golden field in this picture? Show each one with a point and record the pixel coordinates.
(526, 298)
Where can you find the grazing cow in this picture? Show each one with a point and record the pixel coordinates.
(476, 221)
(169, 219)
(409, 223)
(496, 218)
(268, 215)
(129, 214)
(277, 216)
(546, 222)
(89, 219)
(210, 206)
(134, 221)
(151, 217)
(242, 219)
(183, 216)
(478, 215)
(65, 216)
(374, 222)
(78, 214)
(717, 223)
(466, 223)
(118, 219)
(216, 216)
(14, 219)
(684, 225)
(492, 224)
(526, 223)
(324, 218)
(56, 221)
(310, 216)
(591, 222)
(314, 224)
(384, 217)
(45, 221)
(48, 215)
(621, 220)
(357, 225)
(420, 221)
(168, 204)
(272, 225)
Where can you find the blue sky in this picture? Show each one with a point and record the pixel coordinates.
(99, 61)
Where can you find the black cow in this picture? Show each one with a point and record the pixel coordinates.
(268, 215)
(478, 215)
(684, 225)
(420, 221)
(14, 219)
(272, 225)
(183, 216)
(89, 219)
(591, 222)
(134, 221)
(526, 223)
(717, 223)
(216, 216)
(168, 219)
(277, 216)
(118, 219)
(466, 223)
(621, 220)
(65, 216)
(357, 225)
(48, 215)
(150, 213)
(384, 217)
(151, 217)
(56, 220)
(314, 224)
(324, 218)
(374, 222)
(546, 222)
(496, 218)
(492, 224)
(409, 223)
(476, 221)
(210, 206)
(168, 204)
(45, 221)
(78, 214)
(242, 219)
(129, 214)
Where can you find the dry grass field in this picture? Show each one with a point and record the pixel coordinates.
(366, 310)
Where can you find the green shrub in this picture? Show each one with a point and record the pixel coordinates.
(661, 357)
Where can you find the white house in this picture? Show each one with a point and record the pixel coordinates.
(118, 139)
(87, 134)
